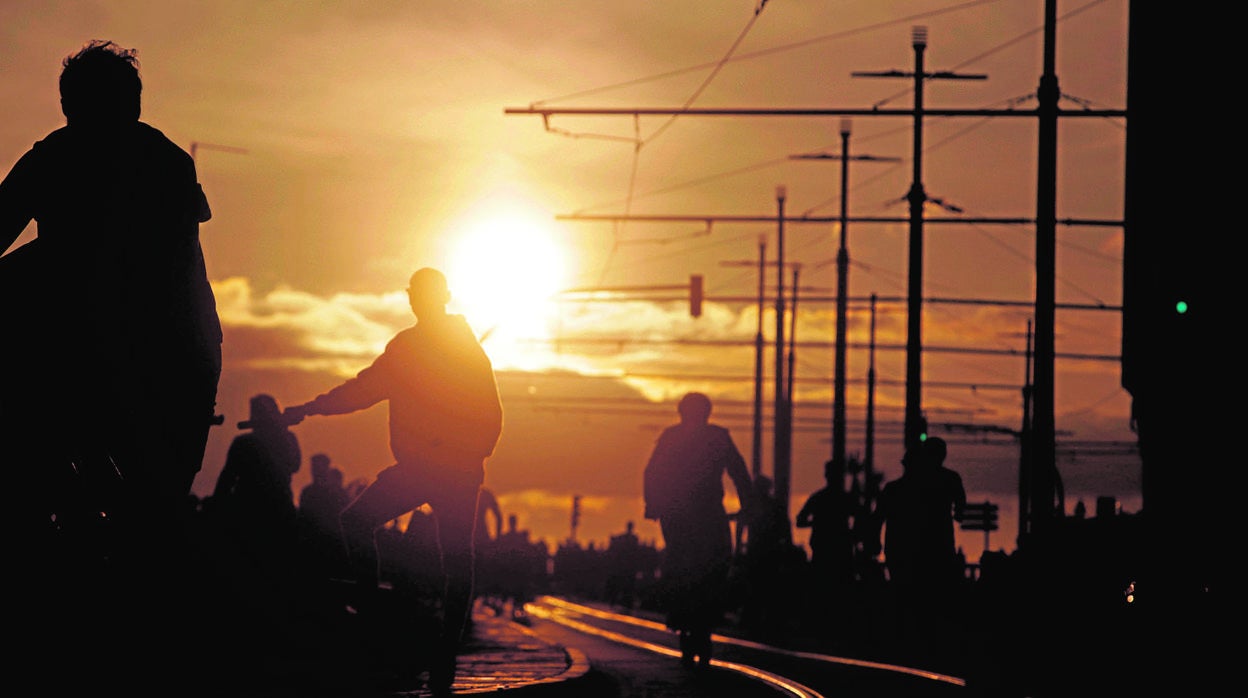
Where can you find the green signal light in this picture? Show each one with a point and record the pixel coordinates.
(1180, 307)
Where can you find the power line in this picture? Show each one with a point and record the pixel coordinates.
(809, 344)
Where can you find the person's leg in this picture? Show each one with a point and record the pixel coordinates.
(387, 498)
(456, 511)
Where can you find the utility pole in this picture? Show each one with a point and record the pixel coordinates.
(917, 197)
(575, 518)
(842, 297)
(783, 432)
(868, 463)
(1043, 449)
(842, 309)
(757, 453)
(1043, 461)
(1025, 465)
(792, 347)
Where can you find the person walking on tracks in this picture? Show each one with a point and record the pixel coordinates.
(684, 491)
(446, 418)
(916, 513)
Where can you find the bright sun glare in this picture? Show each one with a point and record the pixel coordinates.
(504, 269)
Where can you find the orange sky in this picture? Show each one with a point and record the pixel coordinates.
(342, 145)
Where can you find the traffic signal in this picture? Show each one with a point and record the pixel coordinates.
(576, 510)
(695, 295)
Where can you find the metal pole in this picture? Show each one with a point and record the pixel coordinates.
(842, 307)
(780, 438)
(784, 477)
(1044, 461)
(788, 389)
(1026, 471)
(914, 307)
(757, 454)
(869, 452)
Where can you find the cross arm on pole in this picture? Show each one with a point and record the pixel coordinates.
(837, 156)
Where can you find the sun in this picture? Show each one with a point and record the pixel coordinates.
(505, 268)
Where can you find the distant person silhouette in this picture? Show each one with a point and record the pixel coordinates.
(768, 561)
(261, 464)
(120, 343)
(684, 492)
(253, 497)
(415, 561)
(320, 502)
(624, 564)
(489, 533)
(515, 571)
(917, 512)
(446, 418)
(826, 512)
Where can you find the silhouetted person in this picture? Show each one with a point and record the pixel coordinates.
(684, 491)
(517, 570)
(826, 512)
(261, 464)
(131, 344)
(489, 533)
(445, 420)
(416, 561)
(917, 512)
(624, 563)
(122, 339)
(252, 511)
(320, 502)
(771, 577)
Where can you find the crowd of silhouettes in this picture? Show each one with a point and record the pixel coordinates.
(121, 357)
(513, 568)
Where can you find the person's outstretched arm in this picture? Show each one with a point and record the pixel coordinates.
(369, 387)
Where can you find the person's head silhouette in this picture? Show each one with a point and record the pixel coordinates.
(427, 292)
(320, 466)
(694, 408)
(100, 85)
(265, 412)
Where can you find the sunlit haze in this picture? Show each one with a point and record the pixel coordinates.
(505, 270)
(344, 145)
